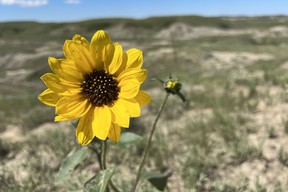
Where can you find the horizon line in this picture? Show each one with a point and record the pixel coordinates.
(143, 18)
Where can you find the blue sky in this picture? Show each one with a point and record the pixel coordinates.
(77, 10)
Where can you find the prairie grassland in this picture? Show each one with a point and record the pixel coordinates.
(232, 134)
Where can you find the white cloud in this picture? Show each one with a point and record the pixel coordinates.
(24, 3)
(72, 1)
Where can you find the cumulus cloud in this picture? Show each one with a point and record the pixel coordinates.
(24, 3)
(72, 1)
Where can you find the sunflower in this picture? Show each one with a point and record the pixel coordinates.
(98, 84)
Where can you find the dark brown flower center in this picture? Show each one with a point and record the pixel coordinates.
(100, 88)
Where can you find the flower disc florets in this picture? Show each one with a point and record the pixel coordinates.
(100, 88)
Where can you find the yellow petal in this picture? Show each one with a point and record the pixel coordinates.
(107, 54)
(81, 40)
(69, 72)
(132, 106)
(84, 47)
(139, 74)
(84, 130)
(78, 51)
(129, 88)
(99, 40)
(54, 65)
(52, 82)
(65, 69)
(71, 92)
(73, 107)
(135, 58)
(117, 59)
(49, 98)
(114, 132)
(143, 98)
(120, 114)
(101, 122)
(61, 118)
(122, 66)
(71, 85)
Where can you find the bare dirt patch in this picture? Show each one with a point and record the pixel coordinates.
(184, 32)
(267, 171)
(222, 59)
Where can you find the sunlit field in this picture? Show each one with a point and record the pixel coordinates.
(230, 135)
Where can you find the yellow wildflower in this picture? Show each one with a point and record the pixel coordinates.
(97, 83)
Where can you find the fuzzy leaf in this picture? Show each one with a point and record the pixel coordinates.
(128, 138)
(71, 161)
(99, 182)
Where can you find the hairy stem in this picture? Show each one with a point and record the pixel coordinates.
(145, 153)
(103, 164)
(103, 154)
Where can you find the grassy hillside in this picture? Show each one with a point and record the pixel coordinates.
(48, 31)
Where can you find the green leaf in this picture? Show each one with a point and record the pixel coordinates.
(158, 180)
(128, 138)
(71, 161)
(99, 182)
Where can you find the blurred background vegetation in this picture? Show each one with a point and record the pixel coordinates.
(231, 135)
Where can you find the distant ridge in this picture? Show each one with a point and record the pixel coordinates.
(42, 31)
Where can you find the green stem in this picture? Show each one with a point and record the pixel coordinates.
(103, 164)
(103, 154)
(145, 153)
(113, 186)
(103, 157)
(98, 153)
